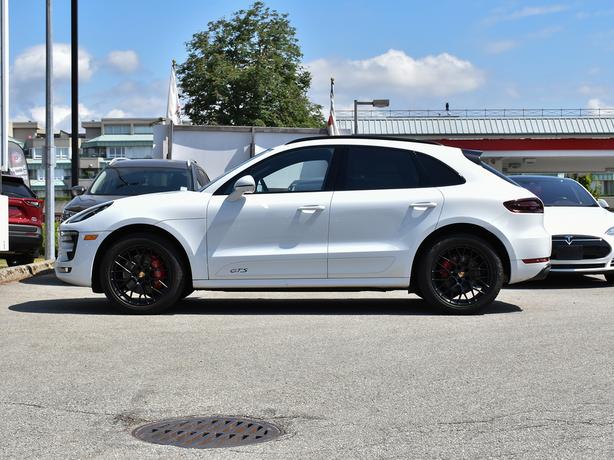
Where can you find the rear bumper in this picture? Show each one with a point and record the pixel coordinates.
(543, 274)
(24, 239)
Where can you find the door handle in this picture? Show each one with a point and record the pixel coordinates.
(311, 208)
(423, 205)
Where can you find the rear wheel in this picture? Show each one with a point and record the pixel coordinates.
(141, 274)
(609, 277)
(460, 274)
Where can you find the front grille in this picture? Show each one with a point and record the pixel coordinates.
(579, 247)
(574, 266)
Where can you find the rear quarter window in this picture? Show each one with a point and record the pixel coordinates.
(435, 173)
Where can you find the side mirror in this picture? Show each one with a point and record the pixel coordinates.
(77, 190)
(245, 184)
(603, 203)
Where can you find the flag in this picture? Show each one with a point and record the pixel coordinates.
(173, 109)
(331, 126)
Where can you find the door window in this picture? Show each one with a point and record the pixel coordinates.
(302, 170)
(377, 168)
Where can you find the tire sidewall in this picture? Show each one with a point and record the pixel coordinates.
(428, 260)
(164, 249)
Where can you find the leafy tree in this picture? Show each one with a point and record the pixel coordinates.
(587, 183)
(247, 71)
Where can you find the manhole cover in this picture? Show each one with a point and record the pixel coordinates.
(207, 432)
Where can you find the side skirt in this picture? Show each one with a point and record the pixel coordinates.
(340, 284)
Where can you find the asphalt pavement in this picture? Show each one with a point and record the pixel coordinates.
(348, 376)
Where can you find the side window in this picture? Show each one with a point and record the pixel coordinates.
(302, 170)
(435, 173)
(378, 168)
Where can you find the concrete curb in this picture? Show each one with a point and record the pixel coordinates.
(11, 274)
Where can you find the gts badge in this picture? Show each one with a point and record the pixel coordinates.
(238, 270)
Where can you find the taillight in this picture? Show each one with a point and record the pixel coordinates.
(36, 204)
(525, 205)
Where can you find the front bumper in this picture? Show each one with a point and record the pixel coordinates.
(588, 266)
(78, 270)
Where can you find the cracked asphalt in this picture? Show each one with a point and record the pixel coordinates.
(358, 375)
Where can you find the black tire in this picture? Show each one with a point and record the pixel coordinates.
(13, 261)
(460, 274)
(141, 274)
(186, 292)
(609, 277)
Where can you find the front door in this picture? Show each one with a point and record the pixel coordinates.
(281, 230)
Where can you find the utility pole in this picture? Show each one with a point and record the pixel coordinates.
(49, 148)
(74, 85)
(4, 87)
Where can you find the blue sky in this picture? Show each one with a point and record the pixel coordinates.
(474, 54)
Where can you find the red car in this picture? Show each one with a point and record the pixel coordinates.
(25, 222)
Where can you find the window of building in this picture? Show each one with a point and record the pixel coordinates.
(143, 129)
(37, 153)
(117, 129)
(62, 153)
(116, 152)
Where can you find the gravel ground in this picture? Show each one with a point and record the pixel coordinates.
(360, 375)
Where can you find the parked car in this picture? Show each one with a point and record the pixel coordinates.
(339, 213)
(25, 222)
(582, 230)
(123, 177)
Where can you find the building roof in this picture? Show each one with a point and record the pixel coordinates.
(120, 140)
(445, 126)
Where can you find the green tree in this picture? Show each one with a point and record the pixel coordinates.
(587, 182)
(246, 71)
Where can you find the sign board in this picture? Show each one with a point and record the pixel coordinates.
(4, 223)
(17, 164)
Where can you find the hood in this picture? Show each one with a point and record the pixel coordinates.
(81, 202)
(568, 220)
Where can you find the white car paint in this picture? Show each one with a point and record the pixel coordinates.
(327, 239)
(589, 221)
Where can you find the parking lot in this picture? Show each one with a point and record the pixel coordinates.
(359, 375)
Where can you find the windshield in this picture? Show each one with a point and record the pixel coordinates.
(139, 181)
(554, 191)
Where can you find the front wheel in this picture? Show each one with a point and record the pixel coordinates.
(460, 274)
(141, 274)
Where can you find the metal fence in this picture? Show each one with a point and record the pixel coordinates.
(478, 113)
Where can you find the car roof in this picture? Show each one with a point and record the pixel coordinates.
(540, 178)
(150, 163)
(8, 178)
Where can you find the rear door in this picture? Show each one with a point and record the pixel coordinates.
(380, 212)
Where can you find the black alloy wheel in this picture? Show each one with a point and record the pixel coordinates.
(460, 274)
(142, 274)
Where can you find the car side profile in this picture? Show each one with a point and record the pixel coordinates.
(338, 213)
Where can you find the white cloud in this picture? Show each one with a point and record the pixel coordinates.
(394, 74)
(126, 61)
(115, 113)
(501, 15)
(61, 115)
(501, 46)
(30, 64)
(596, 103)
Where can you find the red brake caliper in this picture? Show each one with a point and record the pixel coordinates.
(158, 272)
(446, 267)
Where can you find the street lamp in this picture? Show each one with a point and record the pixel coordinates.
(379, 103)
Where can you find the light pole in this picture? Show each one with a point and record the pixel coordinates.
(49, 149)
(379, 103)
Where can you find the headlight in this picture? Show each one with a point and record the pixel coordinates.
(90, 212)
(610, 231)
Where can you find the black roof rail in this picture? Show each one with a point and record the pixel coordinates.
(364, 136)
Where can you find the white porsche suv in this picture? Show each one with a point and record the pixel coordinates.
(337, 213)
